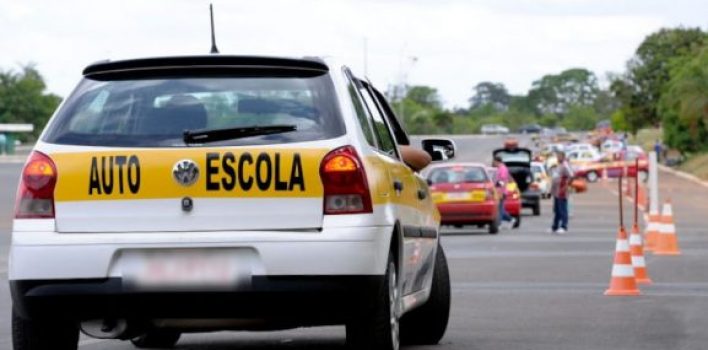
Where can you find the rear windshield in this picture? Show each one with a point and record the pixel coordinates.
(457, 175)
(156, 112)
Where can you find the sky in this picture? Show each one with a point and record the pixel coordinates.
(447, 44)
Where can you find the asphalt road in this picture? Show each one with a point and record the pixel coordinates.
(521, 289)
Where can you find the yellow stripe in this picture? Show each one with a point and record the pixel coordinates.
(75, 174)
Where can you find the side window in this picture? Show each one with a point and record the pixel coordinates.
(386, 142)
(361, 114)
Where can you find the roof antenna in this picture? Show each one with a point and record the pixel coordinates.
(213, 38)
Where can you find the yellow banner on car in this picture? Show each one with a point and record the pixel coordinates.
(447, 197)
(202, 172)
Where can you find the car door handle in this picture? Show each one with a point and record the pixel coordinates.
(398, 185)
(422, 194)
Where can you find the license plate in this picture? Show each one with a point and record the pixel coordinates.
(458, 196)
(185, 269)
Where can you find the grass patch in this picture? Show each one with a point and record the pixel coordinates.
(646, 138)
(696, 165)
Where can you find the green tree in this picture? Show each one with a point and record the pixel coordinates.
(580, 118)
(23, 98)
(489, 93)
(649, 70)
(556, 93)
(424, 95)
(684, 102)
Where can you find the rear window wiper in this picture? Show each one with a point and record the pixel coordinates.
(215, 135)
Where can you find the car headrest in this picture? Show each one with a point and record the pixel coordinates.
(180, 113)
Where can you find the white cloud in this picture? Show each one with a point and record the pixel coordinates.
(458, 43)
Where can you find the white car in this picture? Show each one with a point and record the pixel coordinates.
(206, 193)
(494, 129)
(611, 146)
(584, 156)
(580, 147)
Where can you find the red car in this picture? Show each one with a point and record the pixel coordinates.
(464, 194)
(512, 203)
(615, 165)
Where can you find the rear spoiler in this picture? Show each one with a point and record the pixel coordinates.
(214, 63)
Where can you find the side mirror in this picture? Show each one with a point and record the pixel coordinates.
(439, 149)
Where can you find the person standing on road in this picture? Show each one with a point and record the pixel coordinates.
(560, 192)
(658, 149)
(502, 180)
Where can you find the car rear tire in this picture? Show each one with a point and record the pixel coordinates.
(592, 176)
(518, 221)
(43, 335)
(494, 227)
(426, 325)
(537, 208)
(156, 339)
(377, 325)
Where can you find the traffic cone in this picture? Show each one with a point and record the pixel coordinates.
(604, 174)
(666, 243)
(622, 281)
(638, 261)
(651, 234)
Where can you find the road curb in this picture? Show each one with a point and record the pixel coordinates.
(683, 175)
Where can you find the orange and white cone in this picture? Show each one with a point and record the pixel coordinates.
(666, 243)
(651, 233)
(622, 281)
(638, 261)
(604, 174)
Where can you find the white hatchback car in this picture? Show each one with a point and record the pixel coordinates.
(192, 194)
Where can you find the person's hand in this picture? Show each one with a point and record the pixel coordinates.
(415, 158)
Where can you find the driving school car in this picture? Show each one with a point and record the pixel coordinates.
(630, 163)
(464, 195)
(203, 193)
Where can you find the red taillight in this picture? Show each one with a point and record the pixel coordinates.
(35, 194)
(534, 186)
(346, 190)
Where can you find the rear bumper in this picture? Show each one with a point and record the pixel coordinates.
(468, 213)
(273, 301)
(530, 198)
(330, 252)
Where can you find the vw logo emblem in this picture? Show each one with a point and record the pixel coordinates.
(185, 172)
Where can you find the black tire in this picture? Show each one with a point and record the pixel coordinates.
(426, 325)
(494, 227)
(374, 328)
(537, 208)
(158, 338)
(518, 221)
(43, 335)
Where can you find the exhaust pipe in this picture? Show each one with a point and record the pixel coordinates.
(108, 329)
